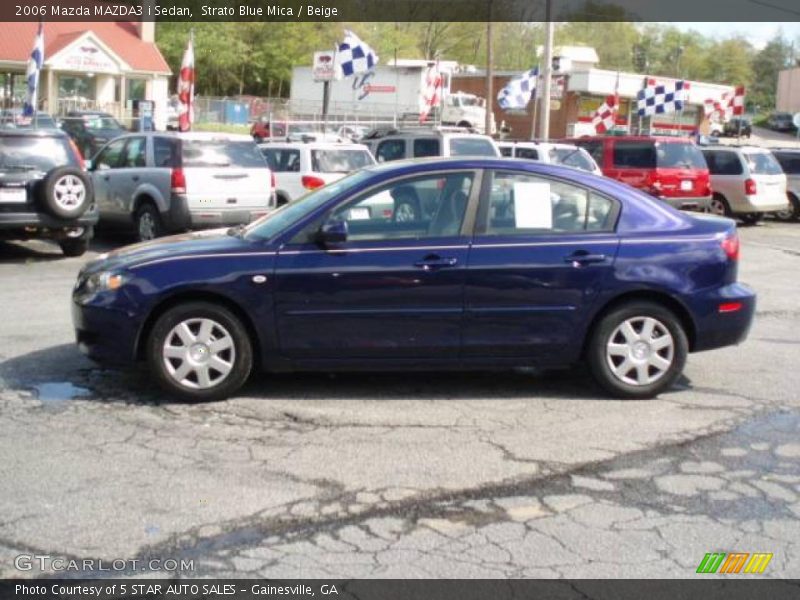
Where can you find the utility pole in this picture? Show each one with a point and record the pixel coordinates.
(489, 74)
(544, 115)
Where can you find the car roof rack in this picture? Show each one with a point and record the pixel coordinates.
(381, 132)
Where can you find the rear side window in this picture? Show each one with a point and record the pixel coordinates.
(572, 157)
(635, 155)
(427, 147)
(723, 163)
(471, 147)
(505, 151)
(389, 150)
(223, 153)
(282, 160)
(529, 153)
(339, 161)
(35, 153)
(789, 161)
(762, 163)
(677, 155)
(165, 152)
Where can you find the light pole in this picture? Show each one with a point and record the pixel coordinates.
(489, 74)
(544, 115)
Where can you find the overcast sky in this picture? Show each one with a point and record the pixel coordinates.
(758, 33)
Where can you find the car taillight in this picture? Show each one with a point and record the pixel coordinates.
(311, 183)
(78, 155)
(750, 187)
(730, 245)
(177, 182)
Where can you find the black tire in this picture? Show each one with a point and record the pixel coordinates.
(66, 193)
(598, 353)
(751, 218)
(76, 246)
(281, 200)
(241, 357)
(792, 213)
(720, 206)
(147, 222)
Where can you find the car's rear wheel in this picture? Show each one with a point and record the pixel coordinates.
(66, 193)
(148, 223)
(637, 350)
(200, 351)
(792, 213)
(719, 206)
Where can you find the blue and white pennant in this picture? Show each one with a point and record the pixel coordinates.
(35, 63)
(661, 99)
(518, 91)
(354, 57)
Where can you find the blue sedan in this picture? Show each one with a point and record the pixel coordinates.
(504, 263)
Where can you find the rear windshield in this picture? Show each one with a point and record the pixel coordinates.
(339, 161)
(222, 153)
(664, 155)
(676, 156)
(572, 157)
(35, 153)
(20, 121)
(762, 163)
(471, 147)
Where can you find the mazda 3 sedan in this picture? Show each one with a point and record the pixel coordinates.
(510, 263)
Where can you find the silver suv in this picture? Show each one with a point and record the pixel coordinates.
(747, 182)
(419, 142)
(789, 159)
(156, 183)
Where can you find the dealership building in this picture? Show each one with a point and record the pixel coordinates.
(579, 88)
(87, 66)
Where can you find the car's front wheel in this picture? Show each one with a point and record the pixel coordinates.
(637, 350)
(200, 351)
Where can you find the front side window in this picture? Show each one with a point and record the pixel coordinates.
(134, 154)
(389, 150)
(415, 208)
(111, 156)
(522, 204)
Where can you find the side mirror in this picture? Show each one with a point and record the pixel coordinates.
(333, 232)
(88, 164)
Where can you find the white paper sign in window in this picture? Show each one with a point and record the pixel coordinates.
(532, 206)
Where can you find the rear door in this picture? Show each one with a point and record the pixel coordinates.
(542, 252)
(727, 175)
(225, 175)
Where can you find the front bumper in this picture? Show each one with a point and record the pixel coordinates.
(718, 326)
(105, 334)
(28, 224)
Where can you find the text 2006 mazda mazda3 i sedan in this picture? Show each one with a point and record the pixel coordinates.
(506, 263)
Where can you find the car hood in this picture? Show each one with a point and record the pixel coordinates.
(211, 241)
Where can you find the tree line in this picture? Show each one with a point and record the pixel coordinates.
(257, 58)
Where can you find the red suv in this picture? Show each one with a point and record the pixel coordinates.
(672, 169)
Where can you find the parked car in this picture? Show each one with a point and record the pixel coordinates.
(262, 130)
(16, 119)
(522, 264)
(91, 130)
(747, 181)
(737, 127)
(789, 160)
(352, 133)
(44, 189)
(568, 155)
(302, 167)
(781, 121)
(671, 169)
(156, 183)
(419, 142)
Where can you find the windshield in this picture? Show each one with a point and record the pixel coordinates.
(572, 157)
(468, 146)
(100, 122)
(672, 155)
(762, 163)
(221, 153)
(35, 153)
(339, 161)
(275, 222)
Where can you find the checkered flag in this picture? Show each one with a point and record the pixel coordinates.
(731, 103)
(354, 57)
(661, 99)
(605, 116)
(519, 91)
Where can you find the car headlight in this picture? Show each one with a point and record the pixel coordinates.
(104, 281)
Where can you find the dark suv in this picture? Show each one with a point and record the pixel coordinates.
(44, 189)
(91, 130)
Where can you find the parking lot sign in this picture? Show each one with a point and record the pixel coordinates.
(322, 69)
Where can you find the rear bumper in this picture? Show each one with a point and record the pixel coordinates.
(35, 224)
(724, 316)
(180, 216)
(747, 206)
(700, 203)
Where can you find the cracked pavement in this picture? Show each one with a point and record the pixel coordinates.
(518, 474)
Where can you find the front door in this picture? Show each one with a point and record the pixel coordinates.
(394, 288)
(104, 165)
(541, 253)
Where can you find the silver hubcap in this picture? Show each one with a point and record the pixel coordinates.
(198, 353)
(147, 227)
(69, 192)
(404, 213)
(640, 351)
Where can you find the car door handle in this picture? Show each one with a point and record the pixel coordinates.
(106, 177)
(135, 178)
(430, 263)
(584, 258)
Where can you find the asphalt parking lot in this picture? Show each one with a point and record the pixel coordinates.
(432, 475)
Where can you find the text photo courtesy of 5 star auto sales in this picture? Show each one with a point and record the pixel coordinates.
(373, 300)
